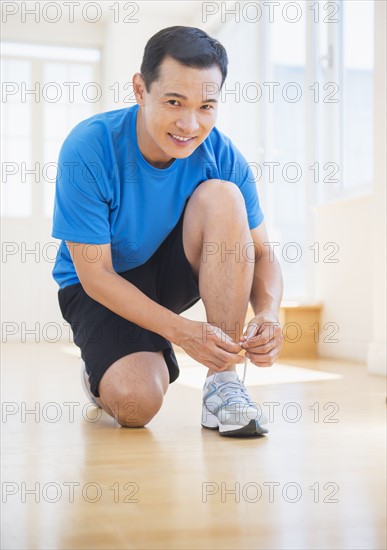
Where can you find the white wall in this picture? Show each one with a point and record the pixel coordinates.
(65, 32)
(354, 290)
(345, 288)
(376, 358)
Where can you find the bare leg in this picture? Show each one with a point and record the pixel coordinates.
(216, 240)
(132, 389)
(215, 235)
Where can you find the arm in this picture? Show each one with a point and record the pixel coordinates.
(267, 288)
(203, 342)
(104, 285)
(264, 331)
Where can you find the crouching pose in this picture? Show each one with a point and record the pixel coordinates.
(155, 209)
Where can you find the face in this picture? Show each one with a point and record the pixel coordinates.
(178, 112)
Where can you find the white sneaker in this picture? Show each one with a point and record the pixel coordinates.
(86, 385)
(227, 407)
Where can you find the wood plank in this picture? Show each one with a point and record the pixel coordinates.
(175, 485)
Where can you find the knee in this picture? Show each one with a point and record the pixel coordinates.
(134, 408)
(219, 195)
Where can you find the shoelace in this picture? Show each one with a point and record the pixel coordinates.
(235, 392)
(245, 369)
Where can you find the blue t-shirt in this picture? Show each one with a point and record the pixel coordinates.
(106, 192)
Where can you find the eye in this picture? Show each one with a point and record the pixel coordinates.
(207, 107)
(173, 102)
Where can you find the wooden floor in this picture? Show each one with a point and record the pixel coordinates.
(72, 480)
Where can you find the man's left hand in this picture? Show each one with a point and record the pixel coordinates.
(263, 339)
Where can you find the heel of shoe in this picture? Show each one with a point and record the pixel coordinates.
(209, 420)
(86, 386)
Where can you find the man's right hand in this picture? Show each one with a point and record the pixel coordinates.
(209, 345)
(202, 341)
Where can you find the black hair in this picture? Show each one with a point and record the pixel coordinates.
(189, 46)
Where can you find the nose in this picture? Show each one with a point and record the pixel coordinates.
(188, 123)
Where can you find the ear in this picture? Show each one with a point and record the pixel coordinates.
(139, 88)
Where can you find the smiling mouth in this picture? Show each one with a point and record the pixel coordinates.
(182, 139)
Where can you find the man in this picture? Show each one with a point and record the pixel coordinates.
(150, 200)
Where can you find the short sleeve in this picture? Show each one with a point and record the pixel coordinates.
(234, 167)
(81, 207)
(248, 189)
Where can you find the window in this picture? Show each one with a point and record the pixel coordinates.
(59, 117)
(285, 159)
(46, 92)
(16, 139)
(356, 79)
(308, 131)
(345, 64)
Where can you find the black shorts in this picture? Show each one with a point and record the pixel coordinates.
(104, 337)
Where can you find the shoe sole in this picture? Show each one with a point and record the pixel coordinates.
(251, 429)
(211, 422)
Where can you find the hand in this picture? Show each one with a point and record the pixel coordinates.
(210, 346)
(263, 339)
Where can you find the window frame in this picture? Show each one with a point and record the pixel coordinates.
(319, 146)
(328, 150)
(38, 194)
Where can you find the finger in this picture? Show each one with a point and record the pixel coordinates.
(231, 347)
(269, 356)
(261, 360)
(251, 330)
(224, 341)
(219, 334)
(260, 364)
(264, 349)
(254, 342)
(261, 339)
(230, 358)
